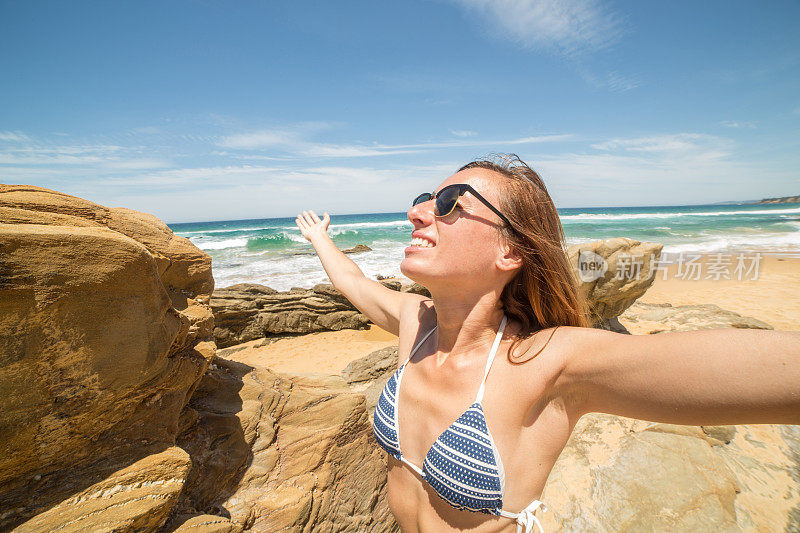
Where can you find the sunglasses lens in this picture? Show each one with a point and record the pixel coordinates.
(424, 197)
(446, 201)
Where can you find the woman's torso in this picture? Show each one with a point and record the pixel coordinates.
(529, 426)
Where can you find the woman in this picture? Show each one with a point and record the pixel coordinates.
(504, 363)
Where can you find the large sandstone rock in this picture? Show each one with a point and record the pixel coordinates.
(277, 452)
(618, 474)
(248, 311)
(643, 318)
(629, 270)
(370, 373)
(138, 497)
(105, 330)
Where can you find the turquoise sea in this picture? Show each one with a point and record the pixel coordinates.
(272, 251)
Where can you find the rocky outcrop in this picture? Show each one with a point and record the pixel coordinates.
(138, 497)
(620, 474)
(370, 373)
(115, 418)
(280, 453)
(613, 273)
(105, 330)
(247, 311)
(358, 248)
(643, 318)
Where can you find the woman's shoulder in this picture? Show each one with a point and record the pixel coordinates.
(417, 311)
(557, 344)
(544, 365)
(417, 319)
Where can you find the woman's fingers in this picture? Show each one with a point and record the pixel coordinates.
(308, 219)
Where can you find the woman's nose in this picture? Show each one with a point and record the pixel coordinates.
(422, 213)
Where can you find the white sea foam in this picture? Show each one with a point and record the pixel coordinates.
(205, 244)
(282, 272)
(631, 216)
(765, 242)
(296, 237)
(341, 231)
(226, 230)
(388, 224)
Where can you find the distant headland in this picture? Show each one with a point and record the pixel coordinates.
(782, 200)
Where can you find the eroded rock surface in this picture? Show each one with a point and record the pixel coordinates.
(358, 248)
(620, 474)
(136, 498)
(370, 373)
(274, 452)
(248, 311)
(643, 318)
(629, 268)
(105, 330)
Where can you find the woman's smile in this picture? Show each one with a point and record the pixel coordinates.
(418, 243)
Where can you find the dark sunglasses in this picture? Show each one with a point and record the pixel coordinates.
(447, 199)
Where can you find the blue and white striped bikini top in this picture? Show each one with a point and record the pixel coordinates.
(463, 466)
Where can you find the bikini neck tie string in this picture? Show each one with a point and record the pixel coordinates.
(527, 519)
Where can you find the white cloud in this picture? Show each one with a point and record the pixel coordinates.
(147, 130)
(13, 136)
(294, 143)
(204, 177)
(275, 180)
(696, 145)
(223, 177)
(105, 157)
(567, 26)
(284, 136)
(260, 139)
(738, 124)
(614, 81)
(651, 178)
(237, 192)
(464, 133)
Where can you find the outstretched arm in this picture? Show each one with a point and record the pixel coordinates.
(381, 305)
(704, 377)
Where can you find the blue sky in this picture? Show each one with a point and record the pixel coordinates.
(210, 110)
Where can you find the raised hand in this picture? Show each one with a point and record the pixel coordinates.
(311, 226)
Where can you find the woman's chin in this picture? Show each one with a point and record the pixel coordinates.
(407, 268)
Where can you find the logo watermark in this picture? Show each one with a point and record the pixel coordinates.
(591, 266)
(741, 266)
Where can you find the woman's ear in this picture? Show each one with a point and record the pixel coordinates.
(509, 259)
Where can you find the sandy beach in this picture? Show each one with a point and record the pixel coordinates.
(773, 296)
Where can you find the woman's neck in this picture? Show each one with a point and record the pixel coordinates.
(464, 329)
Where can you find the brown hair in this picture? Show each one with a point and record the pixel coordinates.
(544, 292)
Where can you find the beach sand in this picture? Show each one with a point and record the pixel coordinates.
(326, 352)
(774, 297)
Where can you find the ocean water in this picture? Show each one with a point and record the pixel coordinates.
(272, 251)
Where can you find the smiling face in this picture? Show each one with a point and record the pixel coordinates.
(467, 244)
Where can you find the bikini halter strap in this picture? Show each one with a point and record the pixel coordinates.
(489, 361)
(414, 350)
